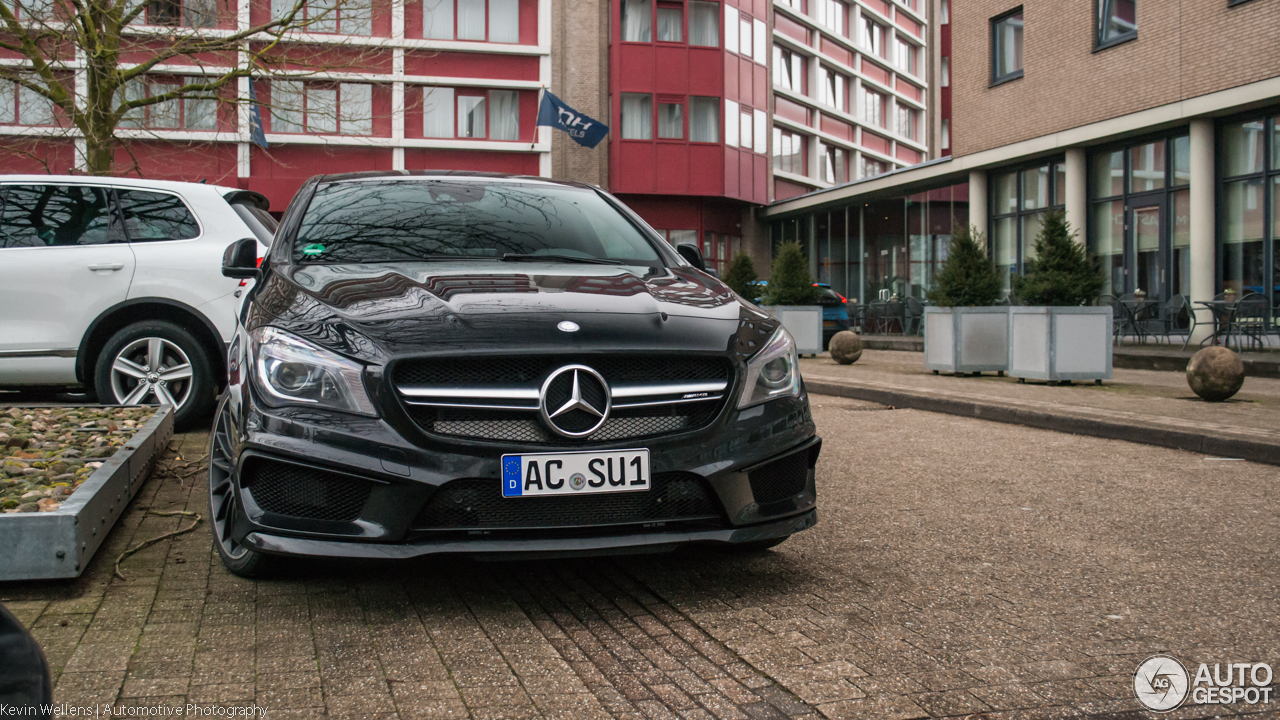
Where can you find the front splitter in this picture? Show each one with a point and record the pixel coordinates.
(529, 548)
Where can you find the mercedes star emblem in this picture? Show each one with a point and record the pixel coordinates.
(574, 401)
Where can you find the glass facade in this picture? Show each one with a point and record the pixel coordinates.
(1020, 199)
(1140, 230)
(1249, 225)
(895, 245)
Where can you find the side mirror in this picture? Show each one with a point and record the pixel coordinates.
(690, 252)
(240, 260)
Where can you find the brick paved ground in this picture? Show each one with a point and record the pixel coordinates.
(960, 568)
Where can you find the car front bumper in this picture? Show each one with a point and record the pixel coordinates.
(730, 458)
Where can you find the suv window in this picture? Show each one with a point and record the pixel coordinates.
(156, 216)
(258, 220)
(50, 215)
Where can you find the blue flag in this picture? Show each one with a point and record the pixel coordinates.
(586, 131)
(256, 133)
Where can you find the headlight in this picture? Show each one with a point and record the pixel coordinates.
(773, 373)
(292, 371)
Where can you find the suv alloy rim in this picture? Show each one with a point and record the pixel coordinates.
(222, 491)
(151, 368)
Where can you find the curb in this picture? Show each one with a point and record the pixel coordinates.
(60, 543)
(1144, 433)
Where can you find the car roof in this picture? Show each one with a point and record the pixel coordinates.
(440, 174)
(174, 185)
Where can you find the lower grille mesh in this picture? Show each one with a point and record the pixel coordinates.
(478, 504)
(780, 479)
(304, 492)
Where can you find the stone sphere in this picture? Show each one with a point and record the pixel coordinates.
(1215, 373)
(846, 347)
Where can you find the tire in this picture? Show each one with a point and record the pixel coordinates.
(124, 375)
(224, 503)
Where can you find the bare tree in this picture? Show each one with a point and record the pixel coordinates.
(90, 61)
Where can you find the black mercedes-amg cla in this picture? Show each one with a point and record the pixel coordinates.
(472, 363)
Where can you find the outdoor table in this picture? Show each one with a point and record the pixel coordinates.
(1137, 312)
(1223, 311)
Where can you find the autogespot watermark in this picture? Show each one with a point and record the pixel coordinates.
(133, 711)
(1162, 683)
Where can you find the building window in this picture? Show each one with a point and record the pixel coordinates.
(946, 12)
(704, 24)
(185, 113)
(788, 151)
(832, 88)
(834, 163)
(830, 14)
(321, 108)
(1139, 224)
(905, 56)
(946, 72)
(637, 116)
(495, 21)
(873, 107)
(1250, 208)
(437, 112)
(747, 133)
(873, 37)
(704, 119)
(731, 123)
(352, 17)
(872, 167)
(907, 121)
(744, 36)
(1020, 200)
(788, 69)
(1006, 47)
(946, 134)
(1117, 22)
(21, 106)
(671, 120)
(197, 13)
(670, 23)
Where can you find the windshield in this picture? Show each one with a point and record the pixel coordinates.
(406, 220)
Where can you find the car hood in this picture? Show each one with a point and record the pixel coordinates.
(375, 313)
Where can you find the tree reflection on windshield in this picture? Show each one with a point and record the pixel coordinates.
(423, 220)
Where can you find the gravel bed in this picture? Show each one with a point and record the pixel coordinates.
(46, 453)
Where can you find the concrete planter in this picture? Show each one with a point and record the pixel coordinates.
(60, 543)
(804, 322)
(966, 339)
(1060, 343)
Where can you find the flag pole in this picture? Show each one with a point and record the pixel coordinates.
(534, 144)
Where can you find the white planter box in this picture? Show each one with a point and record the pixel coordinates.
(804, 322)
(1060, 343)
(966, 339)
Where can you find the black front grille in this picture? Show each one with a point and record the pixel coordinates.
(524, 427)
(304, 492)
(780, 479)
(530, 370)
(478, 504)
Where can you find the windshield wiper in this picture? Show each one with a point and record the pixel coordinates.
(517, 257)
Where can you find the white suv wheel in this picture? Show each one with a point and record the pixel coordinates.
(151, 370)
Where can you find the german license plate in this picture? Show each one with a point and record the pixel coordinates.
(575, 473)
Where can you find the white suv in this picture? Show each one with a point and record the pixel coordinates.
(116, 285)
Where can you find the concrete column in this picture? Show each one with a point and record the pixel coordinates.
(978, 200)
(1077, 193)
(1203, 255)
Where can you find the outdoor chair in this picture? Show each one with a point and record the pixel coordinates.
(1251, 318)
(1175, 316)
(913, 317)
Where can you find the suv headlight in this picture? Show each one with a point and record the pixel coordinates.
(292, 371)
(773, 373)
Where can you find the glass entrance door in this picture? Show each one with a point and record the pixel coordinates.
(1148, 249)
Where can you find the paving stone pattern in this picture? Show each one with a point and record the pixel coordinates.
(976, 592)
